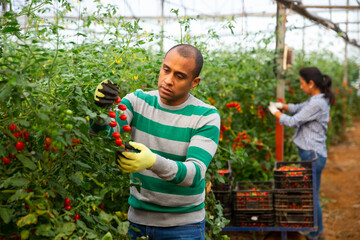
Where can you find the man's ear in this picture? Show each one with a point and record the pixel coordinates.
(195, 82)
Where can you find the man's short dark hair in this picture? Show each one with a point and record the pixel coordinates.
(189, 51)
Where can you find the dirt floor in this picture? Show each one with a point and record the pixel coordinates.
(340, 188)
(339, 193)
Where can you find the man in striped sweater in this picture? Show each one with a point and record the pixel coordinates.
(177, 136)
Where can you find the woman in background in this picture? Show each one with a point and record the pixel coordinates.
(311, 120)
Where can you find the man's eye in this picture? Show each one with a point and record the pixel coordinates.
(166, 70)
(180, 76)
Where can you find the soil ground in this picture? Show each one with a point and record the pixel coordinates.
(339, 193)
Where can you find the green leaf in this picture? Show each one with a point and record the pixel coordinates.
(107, 236)
(19, 181)
(24, 123)
(5, 214)
(26, 162)
(84, 165)
(67, 228)
(81, 119)
(60, 236)
(25, 234)
(19, 194)
(81, 34)
(82, 225)
(10, 29)
(45, 230)
(5, 92)
(43, 116)
(2, 150)
(31, 218)
(76, 178)
(105, 217)
(41, 60)
(123, 227)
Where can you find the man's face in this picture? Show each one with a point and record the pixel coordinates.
(176, 78)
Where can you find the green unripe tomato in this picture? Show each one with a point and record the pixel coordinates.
(68, 126)
(69, 112)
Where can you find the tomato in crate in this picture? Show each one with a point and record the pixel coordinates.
(256, 195)
(293, 175)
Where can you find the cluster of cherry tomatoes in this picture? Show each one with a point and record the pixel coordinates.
(234, 105)
(20, 136)
(123, 117)
(68, 207)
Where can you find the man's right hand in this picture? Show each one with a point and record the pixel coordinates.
(106, 93)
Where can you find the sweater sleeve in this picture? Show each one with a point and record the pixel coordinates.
(202, 148)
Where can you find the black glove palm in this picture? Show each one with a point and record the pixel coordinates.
(106, 93)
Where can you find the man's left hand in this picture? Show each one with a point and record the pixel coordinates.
(131, 162)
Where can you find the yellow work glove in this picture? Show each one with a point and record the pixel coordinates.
(137, 160)
(106, 93)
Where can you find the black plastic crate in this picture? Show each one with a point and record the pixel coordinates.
(294, 218)
(293, 175)
(223, 187)
(228, 178)
(257, 195)
(293, 200)
(253, 218)
(225, 199)
(223, 191)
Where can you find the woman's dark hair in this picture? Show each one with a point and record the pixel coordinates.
(323, 82)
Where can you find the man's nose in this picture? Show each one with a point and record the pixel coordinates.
(169, 79)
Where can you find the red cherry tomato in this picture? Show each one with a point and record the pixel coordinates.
(112, 114)
(5, 160)
(116, 135)
(17, 134)
(122, 107)
(68, 207)
(123, 117)
(26, 135)
(102, 207)
(46, 147)
(20, 146)
(118, 142)
(112, 124)
(77, 217)
(48, 141)
(12, 127)
(126, 128)
(67, 202)
(118, 100)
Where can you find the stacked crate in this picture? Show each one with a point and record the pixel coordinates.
(253, 204)
(223, 191)
(293, 196)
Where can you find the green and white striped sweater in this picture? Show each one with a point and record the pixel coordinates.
(185, 139)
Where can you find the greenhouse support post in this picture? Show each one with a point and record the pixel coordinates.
(281, 67)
